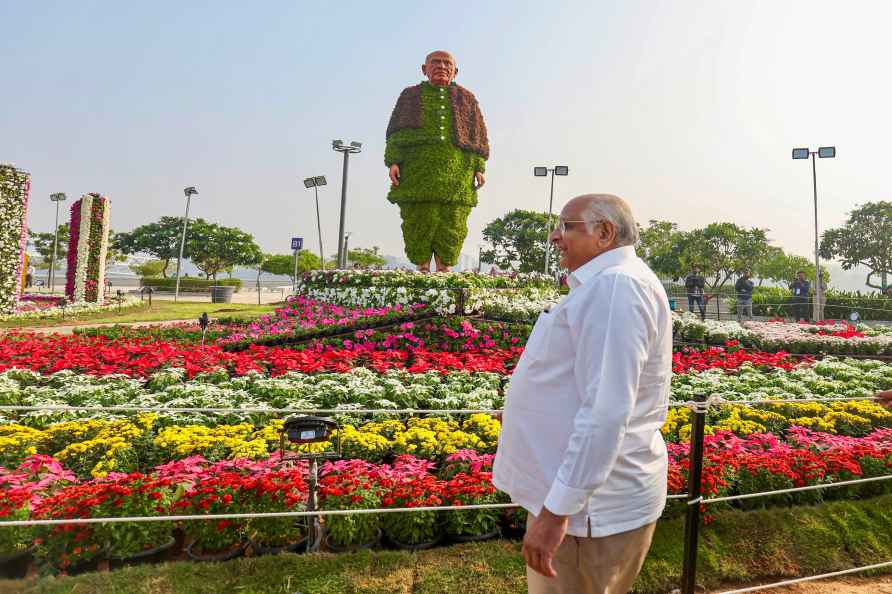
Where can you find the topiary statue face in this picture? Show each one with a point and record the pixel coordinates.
(439, 68)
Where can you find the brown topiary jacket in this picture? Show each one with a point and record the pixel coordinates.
(467, 120)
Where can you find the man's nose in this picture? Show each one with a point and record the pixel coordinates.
(555, 235)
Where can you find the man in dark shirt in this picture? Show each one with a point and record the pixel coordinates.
(694, 285)
(800, 288)
(744, 289)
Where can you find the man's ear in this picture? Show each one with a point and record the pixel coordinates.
(455, 74)
(424, 69)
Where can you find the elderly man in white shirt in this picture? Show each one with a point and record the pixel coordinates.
(581, 448)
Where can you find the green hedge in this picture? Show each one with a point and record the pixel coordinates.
(839, 304)
(189, 284)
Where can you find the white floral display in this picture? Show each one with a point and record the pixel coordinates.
(85, 250)
(71, 309)
(15, 187)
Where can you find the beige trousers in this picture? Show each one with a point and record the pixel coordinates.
(607, 565)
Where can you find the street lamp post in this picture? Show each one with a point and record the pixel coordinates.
(825, 152)
(340, 147)
(315, 182)
(346, 241)
(543, 172)
(57, 198)
(189, 192)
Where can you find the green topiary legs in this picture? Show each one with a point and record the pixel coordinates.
(434, 228)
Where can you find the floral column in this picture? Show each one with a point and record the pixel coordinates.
(15, 187)
(87, 247)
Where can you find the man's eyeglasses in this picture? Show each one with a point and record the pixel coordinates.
(562, 224)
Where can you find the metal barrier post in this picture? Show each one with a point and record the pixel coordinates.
(692, 517)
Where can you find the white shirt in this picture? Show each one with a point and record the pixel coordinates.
(581, 425)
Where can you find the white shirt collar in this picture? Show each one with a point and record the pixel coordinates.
(591, 268)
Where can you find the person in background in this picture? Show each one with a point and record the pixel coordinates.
(29, 277)
(694, 285)
(800, 288)
(744, 288)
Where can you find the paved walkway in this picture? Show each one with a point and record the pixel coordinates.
(853, 585)
(68, 330)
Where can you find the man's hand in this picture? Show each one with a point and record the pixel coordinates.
(885, 398)
(544, 535)
(395, 175)
(479, 180)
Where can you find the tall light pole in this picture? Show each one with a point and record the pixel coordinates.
(57, 198)
(189, 192)
(543, 172)
(825, 152)
(315, 182)
(340, 147)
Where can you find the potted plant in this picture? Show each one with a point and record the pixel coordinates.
(282, 490)
(138, 542)
(413, 530)
(70, 548)
(214, 540)
(351, 484)
(16, 544)
(474, 488)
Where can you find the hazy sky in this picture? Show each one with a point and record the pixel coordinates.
(687, 109)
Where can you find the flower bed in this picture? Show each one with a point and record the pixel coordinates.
(444, 293)
(833, 339)
(87, 247)
(15, 188)
(52, 312)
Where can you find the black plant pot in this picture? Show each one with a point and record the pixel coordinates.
(413, 547)
(474, 537)
(147, 556)
(15, 565)
(348, 548)
(295, 547)
(231, 553)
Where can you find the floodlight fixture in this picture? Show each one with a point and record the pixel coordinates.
(189, 191)
(540, 171)
(354, 147)
(561, 170)
(314, 182)
(320, 180)
(824, 152)
(58, 197)
(309, 182)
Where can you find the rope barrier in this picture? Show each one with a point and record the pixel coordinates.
(714, 400)
(248, 515)
(809, 578)
(794, 490)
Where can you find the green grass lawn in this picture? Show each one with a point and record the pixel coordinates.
(159, 311)
(736, 548)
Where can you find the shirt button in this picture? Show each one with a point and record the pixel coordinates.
(441, 127)
(442, 138)
(442, 117)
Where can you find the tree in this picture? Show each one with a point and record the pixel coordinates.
(214, 248)
(283, 264)
(160, 240)
(518, 241)
(865, 240)
(43, 244)
(148, 269)
(366, 257)
(723, 250)
(660, 245)
(781, 267)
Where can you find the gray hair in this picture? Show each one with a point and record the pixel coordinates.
(607, 207)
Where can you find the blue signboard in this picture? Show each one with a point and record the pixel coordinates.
(297, 243)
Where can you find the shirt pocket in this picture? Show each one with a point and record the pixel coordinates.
(537, 344)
